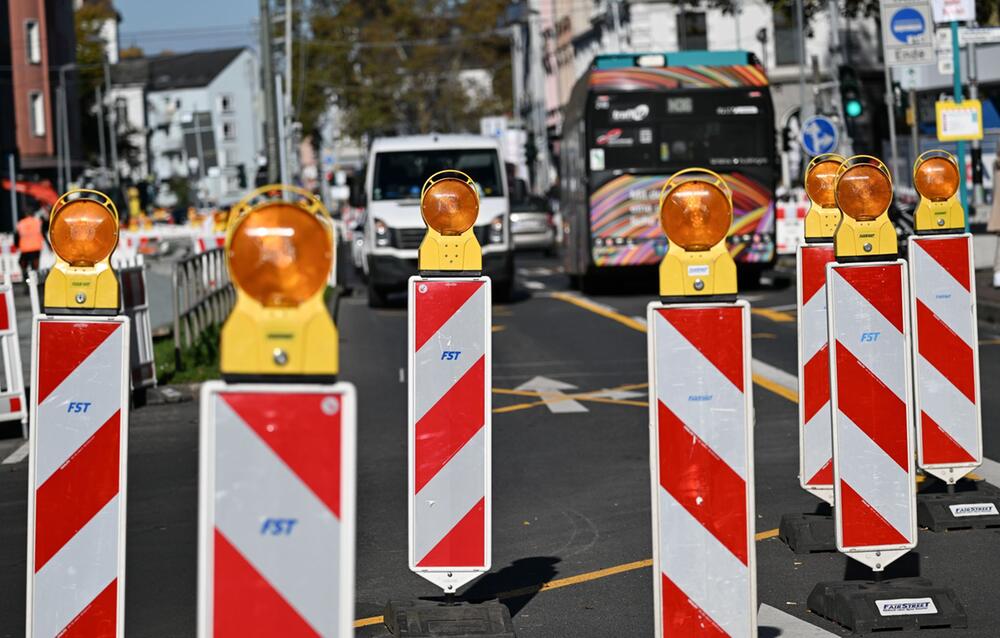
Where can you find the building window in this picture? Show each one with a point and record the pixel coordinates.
(786, 41)
(121, 111)
(36, 113)
(228, 131)
(33, 41)
(225, 104)
(692, 31)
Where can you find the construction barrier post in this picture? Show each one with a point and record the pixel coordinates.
(277, 457)
(871, 403)
(79, 431)
(701, 421)
(13, 406)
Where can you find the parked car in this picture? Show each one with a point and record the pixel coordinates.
(532, 224)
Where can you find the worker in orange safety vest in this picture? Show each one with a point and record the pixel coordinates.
(30, 237)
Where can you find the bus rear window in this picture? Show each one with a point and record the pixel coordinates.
(401, 174)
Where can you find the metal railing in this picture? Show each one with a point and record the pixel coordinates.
(203, 297)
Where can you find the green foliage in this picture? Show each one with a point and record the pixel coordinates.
(198, 363)
(392, 65)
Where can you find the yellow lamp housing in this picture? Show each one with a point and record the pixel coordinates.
(823, 216)
(936, 178)
(864, 194)
(449, 205)
(696, 213)
(279, 252)
(83, 232)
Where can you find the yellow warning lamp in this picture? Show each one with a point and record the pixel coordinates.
(936, 178)
(449, 204)
(696, 212)
(864, 192)
(279, 253)
(823, 216)
(83, 232)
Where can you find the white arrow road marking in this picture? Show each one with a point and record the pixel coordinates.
(17, 455)
(551, 391)
(618, 395)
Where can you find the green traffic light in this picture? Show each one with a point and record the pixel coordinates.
(853, 108)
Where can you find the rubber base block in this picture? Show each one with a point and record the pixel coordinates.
(977, 508)
(425, 619)
(899, 603)
(808, 533)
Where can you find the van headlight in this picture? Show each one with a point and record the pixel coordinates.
(381, 233)
(496, 230)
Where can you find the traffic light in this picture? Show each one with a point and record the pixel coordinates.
(850, 93)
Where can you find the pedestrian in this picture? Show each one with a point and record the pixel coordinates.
(29, 242)
(993, 225)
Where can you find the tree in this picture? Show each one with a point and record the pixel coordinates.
(392, 66)
(90, 51)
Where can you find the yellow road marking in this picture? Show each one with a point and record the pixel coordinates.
(498, 328)
(763, 335)
(568, 581)
(774, 315)
(581, 396)
(989, 342)
(586, 304)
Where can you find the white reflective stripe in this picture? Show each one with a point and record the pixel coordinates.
(949, 408)
(96, 380)
(942, 294)
(449, 496)
(812, 324)
(874, 475)
(78, 572)
(253, 485)
(703, 568)
(704, 399)
(817, 449)
(853, 318)
(465, 333)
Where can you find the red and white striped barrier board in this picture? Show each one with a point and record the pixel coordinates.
(208, 242)
(873, 469)
(449, 429)
(276, 520)
(945, 356)
(815, 426)
(77, 470)
(701, 453)
(789, 224)
(13, 406)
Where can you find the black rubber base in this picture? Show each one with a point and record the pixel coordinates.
(973, 505)
(899, 603)
(808, 533)
(425, 619)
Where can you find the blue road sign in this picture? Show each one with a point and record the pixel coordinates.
(819, 135)
(907, 23)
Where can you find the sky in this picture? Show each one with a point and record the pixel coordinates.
(186, 25)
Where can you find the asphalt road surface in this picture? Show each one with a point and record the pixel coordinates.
(571, 513)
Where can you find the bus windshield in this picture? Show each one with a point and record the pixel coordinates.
(401, 174)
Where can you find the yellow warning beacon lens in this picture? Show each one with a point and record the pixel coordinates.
(450, 206)
(864, 192)
(696, 215)
(83, 232)
(820, 182)
(936, 178)
(280, 255)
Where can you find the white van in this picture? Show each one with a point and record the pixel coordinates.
(397, 169)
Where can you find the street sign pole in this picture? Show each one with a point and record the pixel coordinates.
(956, 56)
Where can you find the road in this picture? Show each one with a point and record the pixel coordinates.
(571, 518)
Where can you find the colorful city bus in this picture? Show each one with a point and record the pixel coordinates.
(632, 121)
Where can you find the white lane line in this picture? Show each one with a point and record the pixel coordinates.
(989, 470)
(786, 307)
(639, 319)
(788, 625)
(534, 285)
(17, 455)
(777, 375)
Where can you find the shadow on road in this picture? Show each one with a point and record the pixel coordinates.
(515, 585)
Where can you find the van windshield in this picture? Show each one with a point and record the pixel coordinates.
(401, 174)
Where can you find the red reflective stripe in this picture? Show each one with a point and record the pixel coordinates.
(436, 306)
(4, 317)
(824, 476)
(295, 427)
(952, 254)
(15, 404)
(946, 351)
(872, 406)
(245, 604)
(98, 619)
(77, 491)
(862, 525)
(814, 261)
(938, 446)
(448, 426)
(717, 333)
(464, 545)
(816, 379)
(881, 286)
(63, 346)
(711, 491)
(682, 617)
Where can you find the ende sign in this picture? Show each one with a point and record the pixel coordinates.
(907, 36)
